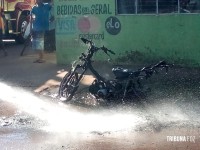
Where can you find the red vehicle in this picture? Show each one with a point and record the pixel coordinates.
(15, 14)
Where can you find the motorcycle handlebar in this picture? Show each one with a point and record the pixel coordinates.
(106, 50)
(86, 41)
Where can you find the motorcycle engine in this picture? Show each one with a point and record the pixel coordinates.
(104, 90)
(99, 89)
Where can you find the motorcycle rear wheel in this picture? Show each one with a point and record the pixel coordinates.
(68, 86)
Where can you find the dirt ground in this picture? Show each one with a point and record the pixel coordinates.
(32, 118)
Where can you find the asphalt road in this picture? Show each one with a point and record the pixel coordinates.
(31, 118)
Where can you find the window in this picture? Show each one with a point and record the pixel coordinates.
(146, 6)
(167, 6)
(126, 6)
(189, 6)
(157, 6)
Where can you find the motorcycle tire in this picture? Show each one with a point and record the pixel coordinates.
(68, 86)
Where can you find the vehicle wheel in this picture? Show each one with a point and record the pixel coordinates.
(68, 86)
(23, 23)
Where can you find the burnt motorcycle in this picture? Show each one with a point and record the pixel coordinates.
(126, 85)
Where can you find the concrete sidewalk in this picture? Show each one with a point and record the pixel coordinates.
(20, 71)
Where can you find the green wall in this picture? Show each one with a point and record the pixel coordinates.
(174, 37)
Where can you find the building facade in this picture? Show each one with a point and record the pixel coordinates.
(158, 29)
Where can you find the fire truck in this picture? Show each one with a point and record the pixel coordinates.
(15, 14)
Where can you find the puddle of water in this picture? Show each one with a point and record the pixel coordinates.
(67, 126)
(62, 117)
(65, 118)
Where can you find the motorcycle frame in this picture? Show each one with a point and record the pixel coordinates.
(87, 66)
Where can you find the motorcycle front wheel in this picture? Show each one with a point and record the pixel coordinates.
(68, 86)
